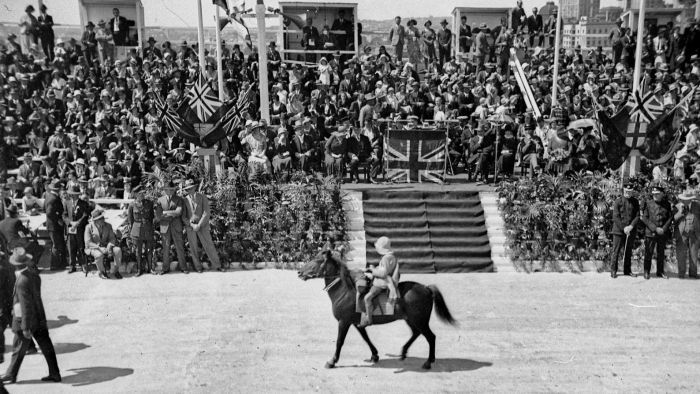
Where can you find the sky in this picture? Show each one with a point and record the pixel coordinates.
(183, 12)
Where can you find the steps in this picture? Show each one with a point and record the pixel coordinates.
(495, 228)
(429, 231)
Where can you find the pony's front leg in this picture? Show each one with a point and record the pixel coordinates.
(375, 354)
(343, 327)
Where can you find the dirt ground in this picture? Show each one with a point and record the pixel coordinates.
(267, 331)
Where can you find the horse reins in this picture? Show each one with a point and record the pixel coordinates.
(330, 285)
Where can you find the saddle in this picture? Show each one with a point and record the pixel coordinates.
(382, 305)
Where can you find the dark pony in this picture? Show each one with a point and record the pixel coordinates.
(416, 305)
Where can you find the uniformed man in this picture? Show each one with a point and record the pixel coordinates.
(140, 215)
(625, 218)
(687, 219)
(657, 216)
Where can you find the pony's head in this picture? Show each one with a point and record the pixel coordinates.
(323, 265)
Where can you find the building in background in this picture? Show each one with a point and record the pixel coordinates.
(575, 9)
(547, 9)
(609, 14)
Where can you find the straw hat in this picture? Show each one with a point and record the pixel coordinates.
(688, 195)
(20, 257)
(383, 245)
(97, 214)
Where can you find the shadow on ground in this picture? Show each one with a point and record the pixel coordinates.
(414, 364)
(63, 348)
(60, 322)
(88, 376)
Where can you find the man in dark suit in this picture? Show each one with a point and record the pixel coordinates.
(657, 215)
(56, 226)
(29, 319)
(344, 25)
(119, 27)
(7, 286)
(359, 149)
(78, 211)
(625, 218)
(535, 24)
(169, 211)
(304, 147)
(46, 34)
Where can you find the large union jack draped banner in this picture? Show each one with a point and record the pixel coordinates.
(415, 155)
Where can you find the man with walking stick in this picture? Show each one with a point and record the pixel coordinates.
(625, 218)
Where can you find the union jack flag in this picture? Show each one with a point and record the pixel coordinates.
(415, 155)
(644, 108)
(172, 120)
(231, 118)
(202, 100)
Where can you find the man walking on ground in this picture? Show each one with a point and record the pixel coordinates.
(625, 218)
(397, 35)
(29, 319)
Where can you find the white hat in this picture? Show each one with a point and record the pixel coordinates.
(383, 245)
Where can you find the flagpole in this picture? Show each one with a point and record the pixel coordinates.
(219, 64)
(638, 52)
(557, 40)
(200, 36)
(262, 62)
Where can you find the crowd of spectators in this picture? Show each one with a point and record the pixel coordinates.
(76, 115)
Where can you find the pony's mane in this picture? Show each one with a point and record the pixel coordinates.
(347, 275)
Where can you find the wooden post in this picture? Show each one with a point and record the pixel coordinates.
(200, 36)
(262, 60)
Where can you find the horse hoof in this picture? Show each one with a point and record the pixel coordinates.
(330, 365)
(426, 365)
(374, 358)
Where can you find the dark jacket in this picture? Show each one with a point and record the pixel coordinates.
(54, 212)
(28, 296)
(7, 286)
(656, 214)
(625, 213)
(120, 37)
(11, 230)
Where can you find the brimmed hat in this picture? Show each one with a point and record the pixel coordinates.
(80, 161)
(383, 245)
(688, 195)
(97, 214)
(189, 184)
(12, 209)
(20, 257)
(657, 190)
(74, 190)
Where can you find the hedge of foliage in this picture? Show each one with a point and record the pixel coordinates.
(555, 219)
(266, 221)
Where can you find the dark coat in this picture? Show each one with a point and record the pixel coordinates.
(11, 230)
(28, 296)
(625, 213)
(54, 212)
(656, 214)
(7, 286)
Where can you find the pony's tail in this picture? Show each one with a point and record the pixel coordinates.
(440, 307)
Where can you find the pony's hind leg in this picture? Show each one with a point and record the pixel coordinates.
(343, 328)
(414, 335)
(428, 334)
(363, 333)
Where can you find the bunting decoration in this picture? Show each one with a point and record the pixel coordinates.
(172, 120)
(202, 99)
